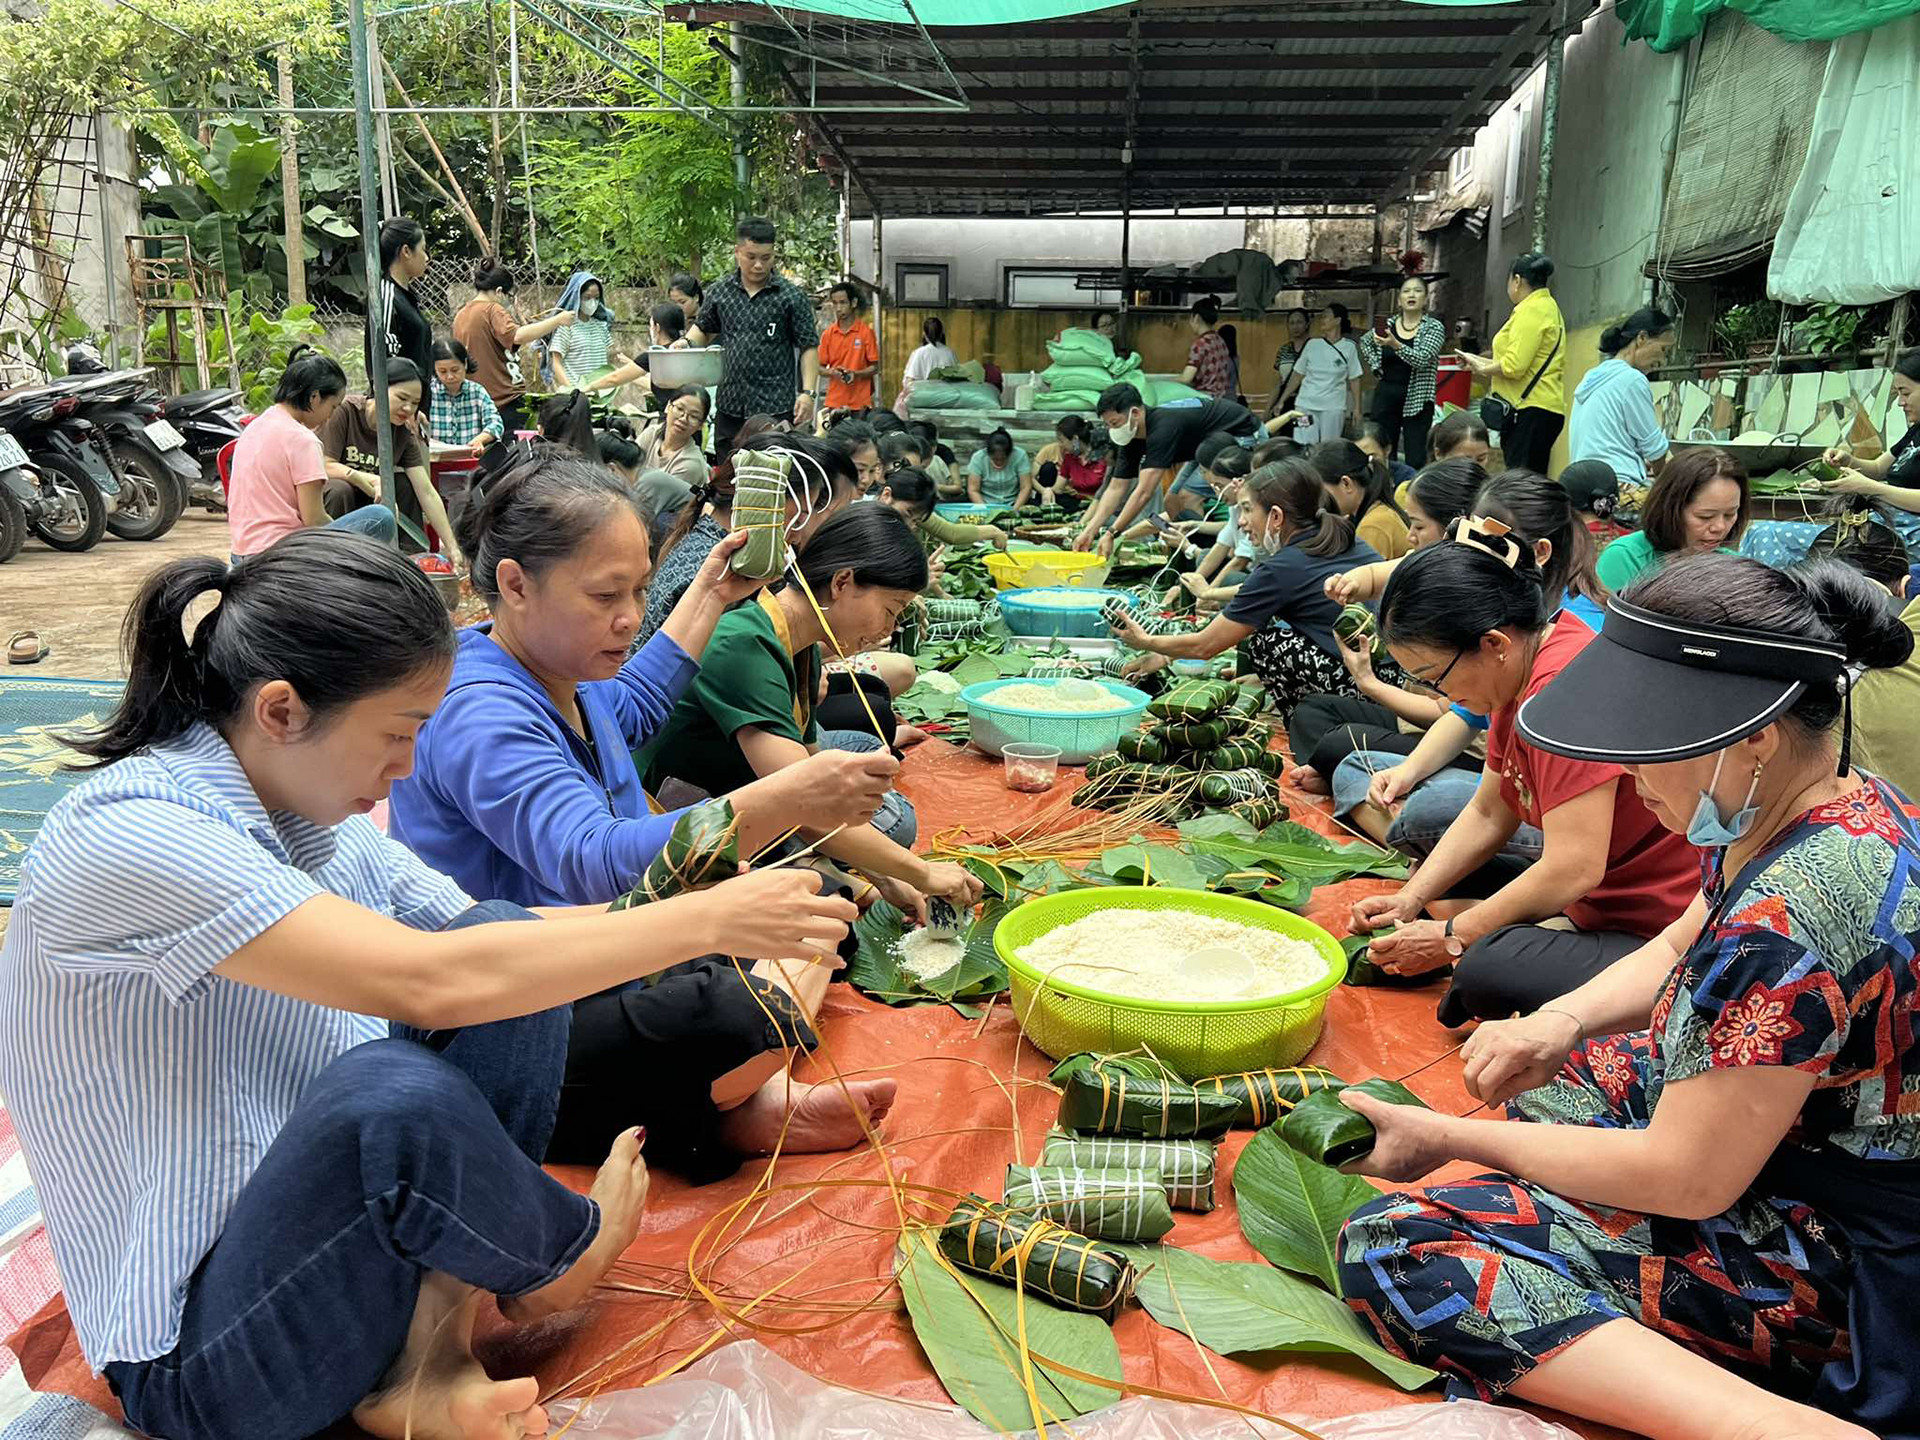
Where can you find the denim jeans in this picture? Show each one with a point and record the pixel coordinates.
(413, 1154)
(1435, 803)
(895, 818)
(374, 521)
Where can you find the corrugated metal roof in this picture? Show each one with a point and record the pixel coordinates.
(1299, 100)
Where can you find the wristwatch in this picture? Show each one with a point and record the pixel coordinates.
(1455, 946)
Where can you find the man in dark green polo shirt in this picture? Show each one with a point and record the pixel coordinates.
(764, 320)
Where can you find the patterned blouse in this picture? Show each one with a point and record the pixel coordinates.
(1422, 354)
(1810, 963)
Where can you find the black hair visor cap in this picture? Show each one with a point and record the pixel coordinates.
(1653, 689)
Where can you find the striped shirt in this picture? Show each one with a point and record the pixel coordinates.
(459, 419)
(145, 1088)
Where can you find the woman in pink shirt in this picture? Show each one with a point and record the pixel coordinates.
(278, 470)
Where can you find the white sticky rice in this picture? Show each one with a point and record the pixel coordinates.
(1139, 953)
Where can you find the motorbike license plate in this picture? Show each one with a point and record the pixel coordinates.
(164, 435)
(12, 457)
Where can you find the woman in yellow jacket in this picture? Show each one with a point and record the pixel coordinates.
(1528, 366)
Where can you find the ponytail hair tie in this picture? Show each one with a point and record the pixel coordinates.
(1490, 537)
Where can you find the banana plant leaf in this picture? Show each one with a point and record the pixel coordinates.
(1126, 1205)
(1363, 972)
(1236, 1308)
(1069, 1270)
(1144, 1067)
(1291, 851)
(875, 969)
(970, 1328)
(1292, 1208)
(702, 849)
(1139, 864)
(760, 495)
(1110, 1102)
(1186, 1166)
(1322, 1127)
(1265, 1095)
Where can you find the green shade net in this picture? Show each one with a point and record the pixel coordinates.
(952, 12)
(1669, 24)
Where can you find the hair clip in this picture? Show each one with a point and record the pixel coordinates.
(1490, 537)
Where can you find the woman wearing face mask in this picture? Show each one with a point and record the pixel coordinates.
(1468, 618)
(1613, 417)
(350, 442)
(750, 712)
(1280, 615)
(1698, 504)
(580, 351)
(462, 412)
(1404, 354)
(1720, 1190)
(524, 789)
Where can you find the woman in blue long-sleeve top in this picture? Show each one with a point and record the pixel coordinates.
(524, 788)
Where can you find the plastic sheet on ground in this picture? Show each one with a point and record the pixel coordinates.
(807, 1270)
(746, 1392)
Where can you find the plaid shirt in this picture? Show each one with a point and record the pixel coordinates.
(763, 333)
(1212, 365)
(1421, 353)
(457, 419)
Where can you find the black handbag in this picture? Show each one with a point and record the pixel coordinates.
(1498, 413)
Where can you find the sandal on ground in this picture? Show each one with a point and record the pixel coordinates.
(26, 648)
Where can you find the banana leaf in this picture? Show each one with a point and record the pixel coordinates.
(1192, 700)
(702, 849)
(875, 969)
(1071, 1271)
(1291, 1208)
(1144, 1067)
(1236, 755)
(1258, 812)
(1247, 701)
(1362, 971)
(1186, 1167)
(1161, 865)
(1236, 1308)
(971, 1327)
(1322, 1127)
(1189, 735)
(1231, 787)
(1265, 1095)
(1357, 622)
(1101, 1204)
(1291, 851)
(1108, 1102)
(760, 495)
(1141, 746)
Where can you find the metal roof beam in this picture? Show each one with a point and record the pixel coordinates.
(1222, 61)
(1003, 122)
(1150, 93)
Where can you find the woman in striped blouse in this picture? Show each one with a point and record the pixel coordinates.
(1405, 354)
(283, 1089)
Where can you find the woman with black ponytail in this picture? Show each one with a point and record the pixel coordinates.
(1469, 618)
(1361, 488)
(325, 1076)
(1713, 1226)
(1280, 615)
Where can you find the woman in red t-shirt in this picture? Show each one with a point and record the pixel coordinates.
(1466, 617)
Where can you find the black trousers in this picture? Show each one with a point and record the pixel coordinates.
(1519, 968)
(842, 710)
(1406, 433)
(1325, 729)
(648, 1053)
(1529, 443)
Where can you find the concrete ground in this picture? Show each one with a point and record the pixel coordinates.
(77, 602)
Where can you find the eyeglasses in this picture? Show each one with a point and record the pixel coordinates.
(1441, 679)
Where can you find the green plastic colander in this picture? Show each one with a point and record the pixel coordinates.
(1195, 1038)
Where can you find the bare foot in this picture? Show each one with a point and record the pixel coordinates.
(437, 1390)
(1305, 777)
(905, 735)
(821, 1119)
(620, 1190)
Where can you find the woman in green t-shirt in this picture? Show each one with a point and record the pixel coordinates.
(1698, 503)
(750, 712)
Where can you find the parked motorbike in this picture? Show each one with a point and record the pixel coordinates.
(75, 487)
(147, 453)
(18, 487)
(210, 420)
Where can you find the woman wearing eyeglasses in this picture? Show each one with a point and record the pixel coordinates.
(1468, 618)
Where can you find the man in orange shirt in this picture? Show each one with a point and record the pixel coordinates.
(849, 353)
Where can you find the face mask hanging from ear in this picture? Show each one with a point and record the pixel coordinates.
(1707, 829)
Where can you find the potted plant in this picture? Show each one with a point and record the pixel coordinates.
(1828, 330)
(1749, 329)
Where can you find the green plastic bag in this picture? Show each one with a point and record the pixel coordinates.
(1108, 1102)
(1322, 1128)
(1127, 1205)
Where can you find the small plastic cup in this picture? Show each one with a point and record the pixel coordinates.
(1031, 768)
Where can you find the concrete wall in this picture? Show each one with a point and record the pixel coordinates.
(978, 252)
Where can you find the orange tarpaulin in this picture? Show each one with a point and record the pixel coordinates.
(804, 1269)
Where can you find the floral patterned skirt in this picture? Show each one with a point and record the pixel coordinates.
(1292, 667)
(1485, 1279)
